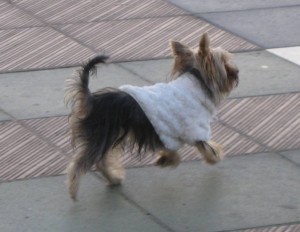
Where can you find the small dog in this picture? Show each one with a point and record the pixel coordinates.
(162, 117)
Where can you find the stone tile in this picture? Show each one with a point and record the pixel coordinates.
(4, 116)
(262, 73)
(273, 74)
(41, 93)
(267, 28)
(206, 6)
(238, 193)
(43, 205)
(153, 70)
(293, 155)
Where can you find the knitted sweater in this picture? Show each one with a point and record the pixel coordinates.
(179, 111)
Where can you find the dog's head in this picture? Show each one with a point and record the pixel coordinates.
(214, 66)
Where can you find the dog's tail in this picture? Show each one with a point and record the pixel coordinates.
(78, 95)
(79, 98)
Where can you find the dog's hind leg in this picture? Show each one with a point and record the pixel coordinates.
(168, 158)
(211, 151)
(111, 166)
(75, 169)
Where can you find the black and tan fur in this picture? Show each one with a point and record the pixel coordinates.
(103, 122)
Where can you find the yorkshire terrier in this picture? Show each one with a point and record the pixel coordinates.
(159, 118)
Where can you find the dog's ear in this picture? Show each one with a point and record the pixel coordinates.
(204, 45)
(179, 49)
(183, 57)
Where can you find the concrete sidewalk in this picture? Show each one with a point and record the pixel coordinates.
(241, 192)
(40, 93)
(256, 188)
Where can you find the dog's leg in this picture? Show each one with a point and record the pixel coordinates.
(211, 151)
(168, 158)
(75, 169)
(111, 168)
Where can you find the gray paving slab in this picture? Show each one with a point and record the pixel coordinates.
(241, 192)
(292, 155)
(205, 6)
(153, 70)
(4, 116)
(41, 93)
(267, 28)
(43, 205)
(262, 73)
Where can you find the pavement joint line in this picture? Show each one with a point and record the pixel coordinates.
(52, 26)
(134, 73)
(4, 112)
(198, 16)
(259, 46)
(266, 95)
(160, 223)
(135, 204)
(268, 148)
(262, 227)
(44, 139)
(146, 212)
(287, 158)
(21, 27)
(221, 121)
(38, 135)
(126, 19)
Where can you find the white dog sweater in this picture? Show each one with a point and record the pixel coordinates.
(179, 111)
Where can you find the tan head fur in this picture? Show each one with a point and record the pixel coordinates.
(215, 65)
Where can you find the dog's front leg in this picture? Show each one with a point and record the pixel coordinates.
(168, 158)
(211, 151)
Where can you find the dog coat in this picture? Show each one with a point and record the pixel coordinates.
(179, 111)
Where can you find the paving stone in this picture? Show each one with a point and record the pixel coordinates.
(206, 6)
(44, 205)
(262, 73)
(240, 192)
(41, 93)
(293, 155)
(267, 28)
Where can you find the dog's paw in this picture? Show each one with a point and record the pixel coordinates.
(113, 176)
(168, 159)
(162, 161)
(115, 181)
(213, 153)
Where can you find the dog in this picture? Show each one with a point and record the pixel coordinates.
(159, 118)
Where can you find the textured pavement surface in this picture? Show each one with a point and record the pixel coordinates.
(256, 188)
